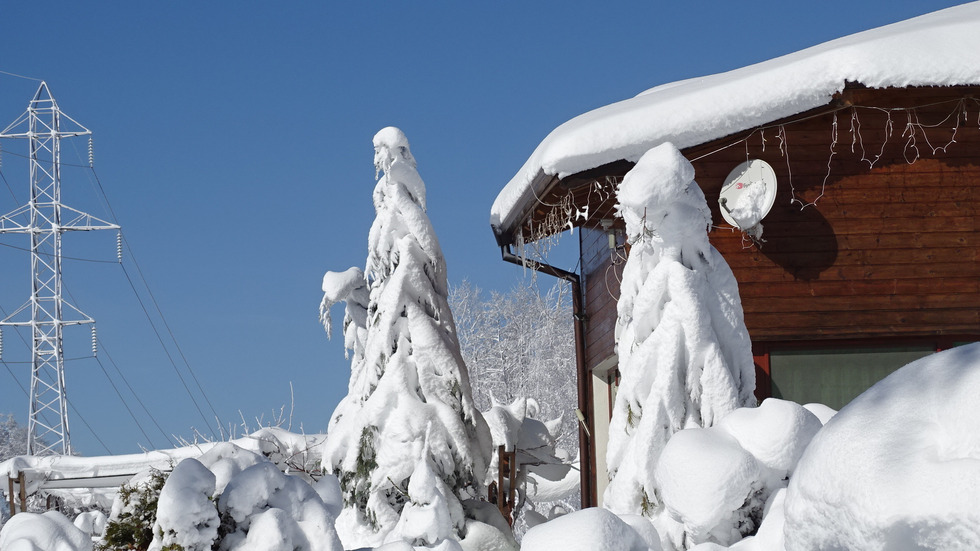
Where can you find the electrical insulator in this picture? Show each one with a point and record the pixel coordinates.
(95, 342)
(119, 246)
(1, 343)
(91, 153)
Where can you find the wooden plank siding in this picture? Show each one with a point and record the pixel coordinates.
(887, 246)
(601, 278)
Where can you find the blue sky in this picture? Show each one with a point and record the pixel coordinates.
(233, 140)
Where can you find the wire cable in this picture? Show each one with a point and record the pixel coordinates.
(159, 311)
(21, 76)
(95, 260)
(121, 399)
(142, 405)
(167, 351)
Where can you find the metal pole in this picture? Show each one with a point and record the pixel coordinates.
(587, 459)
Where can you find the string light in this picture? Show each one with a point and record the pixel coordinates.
(565, 212)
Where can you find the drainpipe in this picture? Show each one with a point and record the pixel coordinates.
(586, 428)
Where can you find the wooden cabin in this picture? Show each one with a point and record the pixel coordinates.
(869, 256)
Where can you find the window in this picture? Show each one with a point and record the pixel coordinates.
(836, 372)
(834, 377)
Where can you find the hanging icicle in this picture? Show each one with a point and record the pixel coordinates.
(95, 343)
(91, 153)
(119, 247)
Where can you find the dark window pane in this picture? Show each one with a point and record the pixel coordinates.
(835, 377)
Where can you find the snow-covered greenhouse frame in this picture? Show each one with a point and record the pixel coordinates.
(867, 260)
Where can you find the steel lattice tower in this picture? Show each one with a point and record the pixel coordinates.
(42, 124)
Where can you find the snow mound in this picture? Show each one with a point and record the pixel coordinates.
(586, 530)
(776, 432)
(899, 467)
(226, 460)
(711, 485)
(824, 413)
(91, 522)
(50, 531)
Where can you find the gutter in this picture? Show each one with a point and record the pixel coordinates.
(586, 428)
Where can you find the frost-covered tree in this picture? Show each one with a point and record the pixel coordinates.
(684, 353)
(411, 413)
(520, 344)
(13, 437)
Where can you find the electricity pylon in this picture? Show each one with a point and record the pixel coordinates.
(42, 124)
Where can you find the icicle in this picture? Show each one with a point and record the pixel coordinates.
(91, 153)
(95, 342)
(119, 246)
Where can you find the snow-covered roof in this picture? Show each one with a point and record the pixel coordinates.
(936, 49)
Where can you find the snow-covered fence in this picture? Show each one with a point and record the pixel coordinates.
(95, 480)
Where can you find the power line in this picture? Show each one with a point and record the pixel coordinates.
(165, 350)
(159, 311)
(21, 76)
(121, 399)
(9, 246)
(140, 402)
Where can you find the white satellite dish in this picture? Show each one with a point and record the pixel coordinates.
(748, 194)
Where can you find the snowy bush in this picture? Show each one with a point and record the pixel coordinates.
(186, 517)
(715, 482)
(228, 499)
(899, 467)
(684, 354)
(134, 512)
(409, 411)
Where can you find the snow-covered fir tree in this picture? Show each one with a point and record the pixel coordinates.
(411, 412)
(684, 353)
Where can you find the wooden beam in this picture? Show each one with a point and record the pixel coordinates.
(22, 481)
(10, 496)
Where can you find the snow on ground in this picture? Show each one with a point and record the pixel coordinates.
(941, 48)
(899, 467)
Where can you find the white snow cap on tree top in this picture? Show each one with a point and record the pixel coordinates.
(659, 183)
(390, 142)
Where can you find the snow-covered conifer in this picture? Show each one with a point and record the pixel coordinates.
(684, 353)
(416, 390)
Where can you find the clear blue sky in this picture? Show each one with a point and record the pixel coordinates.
(233, 140)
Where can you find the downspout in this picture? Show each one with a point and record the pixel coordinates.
(586, 428)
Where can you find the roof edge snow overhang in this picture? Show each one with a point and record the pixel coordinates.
(937, 49)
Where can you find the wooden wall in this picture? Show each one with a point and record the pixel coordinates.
(887, 244)
(886, 250)
(602, 270)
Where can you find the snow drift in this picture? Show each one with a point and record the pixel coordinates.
(899, 467)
